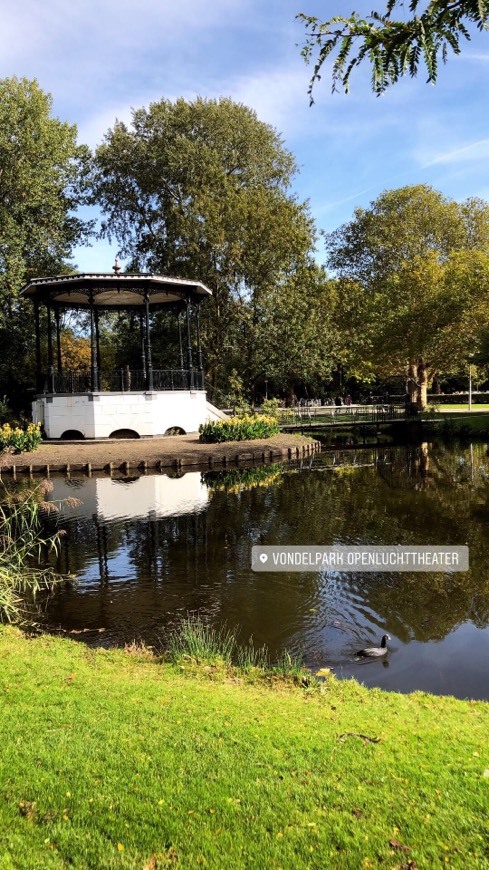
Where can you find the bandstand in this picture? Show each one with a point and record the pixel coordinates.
(127, 402)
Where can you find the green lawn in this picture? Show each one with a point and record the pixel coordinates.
(113, 760)
(461, 407)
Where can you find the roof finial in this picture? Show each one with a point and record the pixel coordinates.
(116, 266)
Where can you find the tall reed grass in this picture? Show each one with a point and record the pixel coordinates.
(25, 546)
(197, 642)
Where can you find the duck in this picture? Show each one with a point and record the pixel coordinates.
(375, 651)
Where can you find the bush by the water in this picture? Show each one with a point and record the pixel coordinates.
(245, 428)
(19, 438)
(194, 640)
(271, 407)
(23, 543)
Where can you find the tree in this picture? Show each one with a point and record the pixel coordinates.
(202, 190)
(296, 341)
(40, 165)
(413, 279)
(40, 185)
(75, 351)
(394, 47)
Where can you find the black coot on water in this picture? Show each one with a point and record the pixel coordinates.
(375, 651)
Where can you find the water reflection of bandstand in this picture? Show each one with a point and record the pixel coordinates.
(146, 551)
(102, 500)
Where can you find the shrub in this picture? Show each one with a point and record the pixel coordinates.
(20, 439)
(236, 396)
(274, 408)
(6, 414)
(270, 407)
(245, 428)
(242, 408)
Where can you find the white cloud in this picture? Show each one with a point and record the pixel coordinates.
(83, 52)
(475, 57)
(278, 96)
(472, 152)
(110, 26)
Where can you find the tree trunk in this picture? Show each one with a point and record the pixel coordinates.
(412, 383)
(422, 380)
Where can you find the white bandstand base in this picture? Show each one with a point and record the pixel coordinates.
(101, 415)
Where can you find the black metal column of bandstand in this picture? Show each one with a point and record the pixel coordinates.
(189, 347)
(39, 384)
(143, 346)
(58, 338)
(199, 347)
(148, 345)
(50, 351)
(93, 349)
(180, 341)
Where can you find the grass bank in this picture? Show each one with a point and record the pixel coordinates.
(114, 760)
(463, 406)
(457, 424)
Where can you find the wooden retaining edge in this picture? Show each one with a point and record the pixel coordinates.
(144, 466)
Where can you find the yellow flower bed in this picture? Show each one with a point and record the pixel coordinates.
(245, 428)
(19, 438)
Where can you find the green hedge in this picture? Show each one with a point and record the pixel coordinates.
(457, 398)
(245, 428)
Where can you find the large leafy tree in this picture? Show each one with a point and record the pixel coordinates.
(413, 282)
(297, 340)
(40, 164)
(202, 190)
(41, 167)
(392, 43)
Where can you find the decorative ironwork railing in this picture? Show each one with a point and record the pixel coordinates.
(302, 417)
(123, 380)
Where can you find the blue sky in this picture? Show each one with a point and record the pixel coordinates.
(100, 58)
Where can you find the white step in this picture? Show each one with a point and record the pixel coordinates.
(214, 413)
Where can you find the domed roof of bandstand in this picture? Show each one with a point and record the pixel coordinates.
(114, 290)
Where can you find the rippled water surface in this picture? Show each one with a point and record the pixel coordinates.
(148, 550)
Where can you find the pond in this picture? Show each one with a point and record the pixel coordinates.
(151, 549)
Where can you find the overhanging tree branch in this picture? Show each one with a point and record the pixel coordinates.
(393, 47)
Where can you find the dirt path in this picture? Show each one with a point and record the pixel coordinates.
(147, 453)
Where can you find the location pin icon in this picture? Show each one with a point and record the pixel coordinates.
(263, 558)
